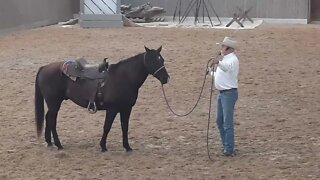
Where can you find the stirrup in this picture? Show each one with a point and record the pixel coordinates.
(92, 110)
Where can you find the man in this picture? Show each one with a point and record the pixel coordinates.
(226, 82)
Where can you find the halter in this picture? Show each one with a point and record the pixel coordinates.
(155, 72)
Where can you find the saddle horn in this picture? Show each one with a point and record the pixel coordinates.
(104, 65)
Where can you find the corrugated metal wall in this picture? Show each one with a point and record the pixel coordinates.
(18, 14)
(285, 9)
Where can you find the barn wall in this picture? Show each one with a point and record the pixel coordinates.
(19, 14)
(283, 9)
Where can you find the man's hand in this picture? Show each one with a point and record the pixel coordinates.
(211, 65)
(214, 61)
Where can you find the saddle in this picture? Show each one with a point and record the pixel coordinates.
(80, 68)
(91, 77)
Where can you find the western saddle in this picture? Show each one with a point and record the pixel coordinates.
(90, 76)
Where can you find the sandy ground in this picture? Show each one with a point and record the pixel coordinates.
(277, 115)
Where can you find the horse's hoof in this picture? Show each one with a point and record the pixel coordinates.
(128, 150)
(60, 148)
(49, 145)
(104, 150)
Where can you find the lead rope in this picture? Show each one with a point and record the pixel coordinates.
(186, 114)
(196, 104)
(209, 116)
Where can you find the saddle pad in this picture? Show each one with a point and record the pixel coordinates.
(65, 69)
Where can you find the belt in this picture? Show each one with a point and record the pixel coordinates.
(226, 90)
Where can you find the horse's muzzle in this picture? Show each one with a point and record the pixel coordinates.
(165, 80)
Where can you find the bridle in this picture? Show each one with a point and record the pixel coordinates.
(156, 71)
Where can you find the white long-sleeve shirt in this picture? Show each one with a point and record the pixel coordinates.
(226, 74)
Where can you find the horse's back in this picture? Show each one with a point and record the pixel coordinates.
(50, 70)
(50, 79)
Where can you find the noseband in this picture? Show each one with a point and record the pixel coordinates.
(155, 72)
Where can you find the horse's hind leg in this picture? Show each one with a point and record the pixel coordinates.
(54, 132)
(51, 123)
(47, 133)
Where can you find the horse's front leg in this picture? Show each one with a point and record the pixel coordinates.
(124, 116)
(110, 115)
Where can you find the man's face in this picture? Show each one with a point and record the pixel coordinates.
(225, 50)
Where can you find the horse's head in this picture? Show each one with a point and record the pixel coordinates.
(154, 63)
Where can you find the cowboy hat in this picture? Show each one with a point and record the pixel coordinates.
(229, 42)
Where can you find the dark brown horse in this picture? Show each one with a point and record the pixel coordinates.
(119, 94)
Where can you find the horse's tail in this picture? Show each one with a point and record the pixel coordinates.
(39, 106)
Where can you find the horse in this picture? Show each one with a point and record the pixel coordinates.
(118, 95)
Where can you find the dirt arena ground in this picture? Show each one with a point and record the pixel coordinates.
(277, 115)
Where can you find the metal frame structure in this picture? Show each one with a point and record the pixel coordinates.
(199, 5)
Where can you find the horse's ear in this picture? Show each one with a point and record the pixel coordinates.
(159, 49)
(147, 49)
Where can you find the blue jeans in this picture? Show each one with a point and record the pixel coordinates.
(225, 109)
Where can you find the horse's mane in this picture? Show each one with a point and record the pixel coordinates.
(114, 67)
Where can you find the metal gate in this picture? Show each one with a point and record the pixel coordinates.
(100, 13)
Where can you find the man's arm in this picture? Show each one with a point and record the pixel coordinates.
(225, 66)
